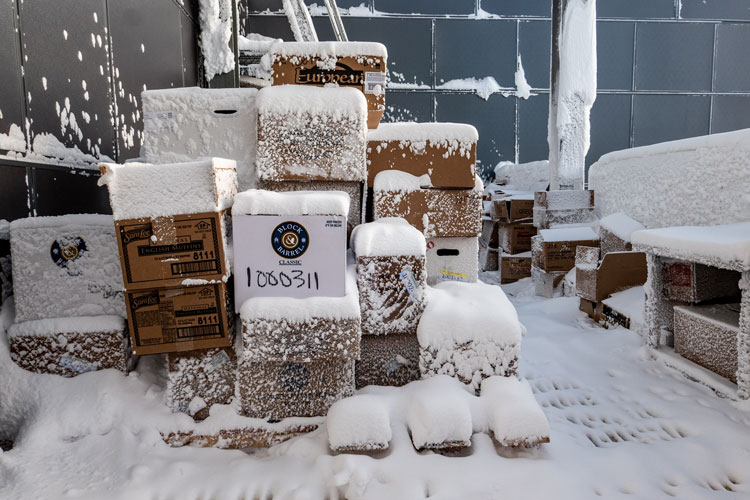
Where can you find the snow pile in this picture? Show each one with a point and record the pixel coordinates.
(216, 34)
(630, 303)
(416, 136)
(396, 180)
(438, 419)
(484, 87)
(696, 181)
(311, 133)
(532, 176)
(297, 52)
(514, 415)
(52, 327)
(722, 246)
(66, 266)
(146, 190)
(470, 331)
(262, 202)
(358, 423)
(620, 225)
(256, 43)
(389, 236)
(14, 140)
(523, 89)
(182, 125)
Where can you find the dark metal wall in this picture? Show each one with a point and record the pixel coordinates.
(667, 70)
(73, 71)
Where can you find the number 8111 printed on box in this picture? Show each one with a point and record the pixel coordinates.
(289, 256)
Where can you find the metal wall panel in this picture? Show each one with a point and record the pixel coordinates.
(61, 191)
(11, 89)
(13, 196)
(659, 118)
(614, 48)
(715, 9)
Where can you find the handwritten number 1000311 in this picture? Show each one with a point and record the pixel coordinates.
(293, 279)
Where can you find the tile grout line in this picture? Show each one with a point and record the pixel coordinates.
(713, 79)
(631, 138)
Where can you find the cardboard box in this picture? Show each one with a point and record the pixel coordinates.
(65, 266)
(435, 212)
(488, 257)
(166, 251)
(610, 242)
(445, 152)
(452, 259)
(515, 237)
(310, 133)
(390, 360)
(196, 380)
(180, 318)
(693, 283)
(514, 267)
(355, 190)
(554, 250)
(547, 284)
(489, 233)
(274, 390)
(70, 346)
(359, 65)
(512, 208)
(603, 314)
(618, 270)
(707, 335)
(182, 124)
(555, 208)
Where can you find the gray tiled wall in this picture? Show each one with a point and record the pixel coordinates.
(667, 69)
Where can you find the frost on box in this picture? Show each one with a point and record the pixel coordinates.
(65, 266)
(70, 346)
(469, 331)
(311, 133)
(183, 124)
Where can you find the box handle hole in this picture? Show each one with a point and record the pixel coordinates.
(445, 252)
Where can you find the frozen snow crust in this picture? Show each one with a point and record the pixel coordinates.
(336, 102)
(432, 132)
(54, 326)
(263, 202)
(697, 181)
(325, 50)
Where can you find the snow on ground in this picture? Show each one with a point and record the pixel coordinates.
(623, 425)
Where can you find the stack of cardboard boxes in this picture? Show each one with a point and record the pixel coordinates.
(68, 295)
(426, 174)
(512, 213)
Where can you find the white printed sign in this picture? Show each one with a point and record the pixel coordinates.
(374, 82)
(289, 256)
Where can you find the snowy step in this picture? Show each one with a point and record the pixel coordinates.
(358, 423)
(437, 422)
(514, 416)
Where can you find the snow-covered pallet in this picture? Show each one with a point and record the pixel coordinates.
(311, 133)
(184, 124)
(470, 331)
(257, 435)
(70, 346)
(66, 266)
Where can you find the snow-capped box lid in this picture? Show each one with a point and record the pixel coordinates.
(146, 190)
(621, 225)
(446, 134)
(388, 236)
(56, 326)
(196, 98)
(325, 50)
(262, 202)
(63, 220)
(396, 180)
(295, 310)
(336, 102)
(584, 233)
(458, 313)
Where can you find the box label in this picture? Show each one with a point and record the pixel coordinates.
(446, 275)
(159, 120)
(374, 82)
(410, 284)
(289, 256)
(158, 253)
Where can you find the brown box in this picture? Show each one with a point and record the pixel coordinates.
(449, 162)
(391, 360)
(707, 335)
(610, 242)
(617, 271)
(163, 252)
(316, 64)
(557, 254)
(274, 390)
(70, 346)
(177, 319)
(692, 282)
(554, 208)
(515, 237)
(386, 305)
(196, 380)
(489, 233)
(435, 212)
(514, 267)
(603, 314)
(488, 257)
(512, 208)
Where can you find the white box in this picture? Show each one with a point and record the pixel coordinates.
(184, 124)
(298, 252)
(66, 266)
(452, 259)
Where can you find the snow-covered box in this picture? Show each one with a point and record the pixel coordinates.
(70, 346)
(596, 281)
(446, 152)
(357, 65)
(554, 250)
(66, 266)
(469, 331)
(615, 231)
(514, 267)
(290, 244)
(172, 220)
(556, 208)
(196, 380)
(452, 259)
(183, 124)
(435, 212)
(390, 360)
(311, 133)
(391, 275)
